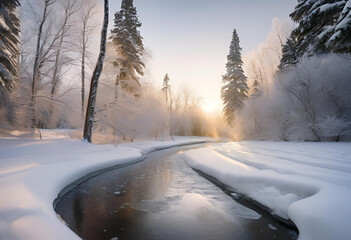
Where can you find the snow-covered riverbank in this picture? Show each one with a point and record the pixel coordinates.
(32, 173)
(310, 183)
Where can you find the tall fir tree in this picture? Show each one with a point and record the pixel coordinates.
(9, 31)
(166, 88)
(323, 26)
(128, 41)
(338, 37)
(255, 90)
(234, 91)
(290, 54)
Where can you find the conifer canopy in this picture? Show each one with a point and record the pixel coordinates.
(234, 91)
(128, 41)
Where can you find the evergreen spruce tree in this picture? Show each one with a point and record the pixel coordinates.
(338, 37)
(234, 91)
(323, 26)
(166, 87)
(290, 54)
(255, 90)
(128, 41)
(9, 30)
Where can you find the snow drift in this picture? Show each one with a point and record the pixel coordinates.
(33, 172)
(309, 183)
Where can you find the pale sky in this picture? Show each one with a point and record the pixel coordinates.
(189, 39)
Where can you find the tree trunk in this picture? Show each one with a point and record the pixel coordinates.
(55, 81)
(114, 131)
(83, 75)
(166, 98)
(116, 88)
(89, 117)
(36, 66)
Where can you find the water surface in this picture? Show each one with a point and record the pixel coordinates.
(162, 198)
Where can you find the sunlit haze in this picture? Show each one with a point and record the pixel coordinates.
(190, 40)
(112, 124)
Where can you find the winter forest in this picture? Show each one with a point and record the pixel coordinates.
(45, 79)
(178, 119)
(294, 87)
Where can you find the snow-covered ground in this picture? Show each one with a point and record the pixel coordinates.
(33, 172)
(310, 183)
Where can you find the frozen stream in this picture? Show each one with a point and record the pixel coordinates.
(162, 198)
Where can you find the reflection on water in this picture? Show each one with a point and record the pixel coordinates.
(161, 198)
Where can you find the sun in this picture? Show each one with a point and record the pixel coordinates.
(208, 107)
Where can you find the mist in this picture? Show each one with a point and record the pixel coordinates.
(305, 102)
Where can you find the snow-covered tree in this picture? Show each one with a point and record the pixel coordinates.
(290, 54)
(255, 90)
(9, 30)
(339, 35)
(313, 17)
(166, 87)
(323, 26)
(234, 91)
(310, 101)
(128, 41)
(89, 117)
(50, 58)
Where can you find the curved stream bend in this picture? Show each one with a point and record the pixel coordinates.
(162, 198)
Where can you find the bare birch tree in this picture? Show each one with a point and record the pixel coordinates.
(69, 10)
(89, 117)
(85, 34)
(38, 60)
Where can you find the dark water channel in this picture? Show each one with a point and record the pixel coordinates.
(162, 198)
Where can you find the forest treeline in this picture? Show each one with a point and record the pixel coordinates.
(296, 86)
(49, 49)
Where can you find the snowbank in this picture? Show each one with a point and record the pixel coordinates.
(32, 173)
(151, 146)
(309, 183)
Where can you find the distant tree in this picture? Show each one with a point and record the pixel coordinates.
(9, 31)
(190, 101)
(89, 117)
(166, 88)
(234, 91)
(290, 54)
(323, 26)
(128, 41)
(255, 90)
